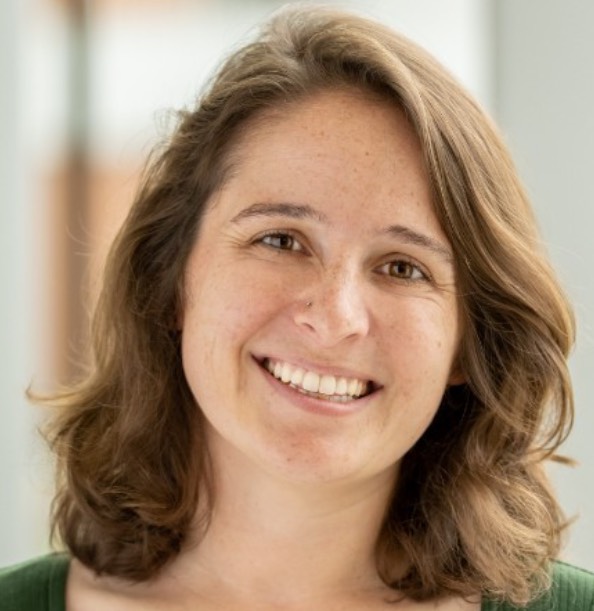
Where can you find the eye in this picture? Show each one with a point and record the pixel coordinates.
(281, 240)
(403, 269)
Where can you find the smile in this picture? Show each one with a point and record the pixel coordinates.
(322, 386)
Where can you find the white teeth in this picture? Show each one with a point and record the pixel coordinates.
(278, 370)
(309, 381)
(353, 387)
(297, 376)
(286, 373)
(327, 385)
(341, 386)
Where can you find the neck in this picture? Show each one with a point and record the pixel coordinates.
(286, 541)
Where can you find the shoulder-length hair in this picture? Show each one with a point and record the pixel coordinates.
(472, 510)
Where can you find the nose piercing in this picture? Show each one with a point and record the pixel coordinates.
(308, 304)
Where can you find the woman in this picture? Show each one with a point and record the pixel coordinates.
(329, 355)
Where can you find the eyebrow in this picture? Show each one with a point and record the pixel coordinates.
(295, 211)
(304, 211)
(410, 236)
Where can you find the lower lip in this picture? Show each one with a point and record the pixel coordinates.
(313, 404)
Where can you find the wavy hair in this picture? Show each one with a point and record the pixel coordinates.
(472, 510)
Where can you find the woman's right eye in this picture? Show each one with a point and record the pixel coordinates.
(281, 241)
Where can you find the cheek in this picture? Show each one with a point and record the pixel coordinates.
(224, 308)
(249, 303)
(423, 341)
(421, 351)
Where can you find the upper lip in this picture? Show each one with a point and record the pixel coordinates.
(336, 371)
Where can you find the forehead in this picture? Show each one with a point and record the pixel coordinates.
(336, 112)
(338, 144)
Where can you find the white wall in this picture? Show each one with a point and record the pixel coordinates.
(22, 473)
(545, 104)
(145, 63)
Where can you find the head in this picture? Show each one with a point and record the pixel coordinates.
(471, 488)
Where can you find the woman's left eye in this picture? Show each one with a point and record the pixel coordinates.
(402, 269)
(281, 241)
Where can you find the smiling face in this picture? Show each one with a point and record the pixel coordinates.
(320, 323)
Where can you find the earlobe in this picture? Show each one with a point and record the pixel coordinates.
(457, 376)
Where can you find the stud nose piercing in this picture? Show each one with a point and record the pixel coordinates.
(309, 304)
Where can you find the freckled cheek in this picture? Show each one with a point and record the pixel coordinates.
(422, 344)
(236, 307)
(256, 300)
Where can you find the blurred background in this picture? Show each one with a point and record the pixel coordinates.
(86, 89)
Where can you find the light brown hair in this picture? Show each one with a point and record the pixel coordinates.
(472, 510)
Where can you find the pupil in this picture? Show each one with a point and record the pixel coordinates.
(401, 268)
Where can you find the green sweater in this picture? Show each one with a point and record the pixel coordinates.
(39, 585)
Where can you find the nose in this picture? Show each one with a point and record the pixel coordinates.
(334, 309)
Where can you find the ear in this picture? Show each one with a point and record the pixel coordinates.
(457, 375)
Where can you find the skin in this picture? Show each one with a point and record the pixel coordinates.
(328, 203)
(358, 170)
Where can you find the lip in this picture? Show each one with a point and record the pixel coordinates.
(316, 405)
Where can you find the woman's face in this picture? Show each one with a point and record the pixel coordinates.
(320, 324)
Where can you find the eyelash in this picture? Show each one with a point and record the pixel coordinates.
(266, 238)
(412, 268)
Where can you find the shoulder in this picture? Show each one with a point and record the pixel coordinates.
(572, 588)
(37, 584)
